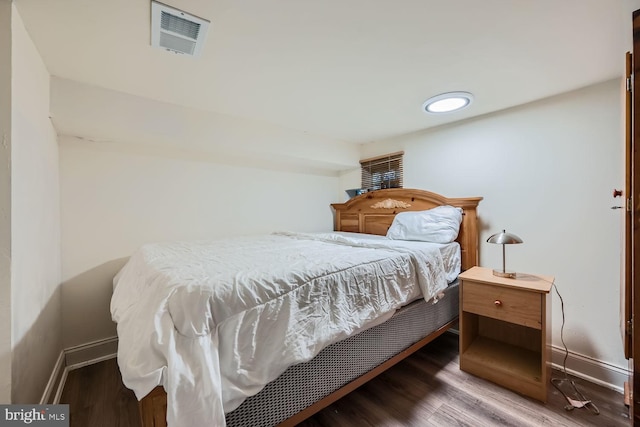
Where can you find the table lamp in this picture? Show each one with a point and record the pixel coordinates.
(504, 238)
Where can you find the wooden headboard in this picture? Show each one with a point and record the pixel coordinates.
(373, 213)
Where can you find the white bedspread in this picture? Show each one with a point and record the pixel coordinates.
(213, 322)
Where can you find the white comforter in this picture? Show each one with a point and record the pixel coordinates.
(213, 322)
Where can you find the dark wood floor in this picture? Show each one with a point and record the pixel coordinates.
(426, 389)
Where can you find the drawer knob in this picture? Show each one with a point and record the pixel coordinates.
(498, 303)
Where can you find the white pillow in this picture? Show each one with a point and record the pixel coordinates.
(438, 225)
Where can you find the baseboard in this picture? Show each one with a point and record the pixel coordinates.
(73, 358)
(587, 368)
(590, 369)
(56, 381)
(58, 395)
(93, 352)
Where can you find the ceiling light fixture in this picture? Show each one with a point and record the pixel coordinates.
(447, 102)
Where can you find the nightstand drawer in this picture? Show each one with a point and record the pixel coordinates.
(503, 303)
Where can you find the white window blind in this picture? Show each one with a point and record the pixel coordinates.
(382, 172)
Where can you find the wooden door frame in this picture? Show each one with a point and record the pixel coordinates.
(627, 308)
(632, 233)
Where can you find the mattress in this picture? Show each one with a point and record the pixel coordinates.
(338, 364)
(450, 252)
(214, 322)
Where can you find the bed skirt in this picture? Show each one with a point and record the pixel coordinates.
(340, 363)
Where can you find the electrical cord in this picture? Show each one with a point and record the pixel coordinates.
(580, 400)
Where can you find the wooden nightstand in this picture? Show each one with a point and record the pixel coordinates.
(505, 333)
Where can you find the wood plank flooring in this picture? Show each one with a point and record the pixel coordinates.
(97, 397)
(426, 389)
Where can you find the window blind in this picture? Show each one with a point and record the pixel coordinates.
(382, 172)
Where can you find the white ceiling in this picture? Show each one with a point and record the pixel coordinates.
(341, 70)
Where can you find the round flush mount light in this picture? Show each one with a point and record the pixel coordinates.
(447, 102)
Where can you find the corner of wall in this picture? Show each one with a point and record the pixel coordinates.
(35, 281)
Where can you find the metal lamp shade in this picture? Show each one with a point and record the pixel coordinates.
(504, 238)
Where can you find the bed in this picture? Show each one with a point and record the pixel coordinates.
(341, 296)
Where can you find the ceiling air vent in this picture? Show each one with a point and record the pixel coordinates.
(177, 31)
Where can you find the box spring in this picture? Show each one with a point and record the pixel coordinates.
(338, 364)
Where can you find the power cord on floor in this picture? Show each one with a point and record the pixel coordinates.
(575, 398)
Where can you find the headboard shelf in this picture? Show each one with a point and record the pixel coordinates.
(373, 213)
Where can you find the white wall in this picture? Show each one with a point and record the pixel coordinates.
(107, 116)
(5, 201)
(114, 199)
(35, 224)
(546, 171)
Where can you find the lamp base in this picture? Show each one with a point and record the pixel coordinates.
(506, 273)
